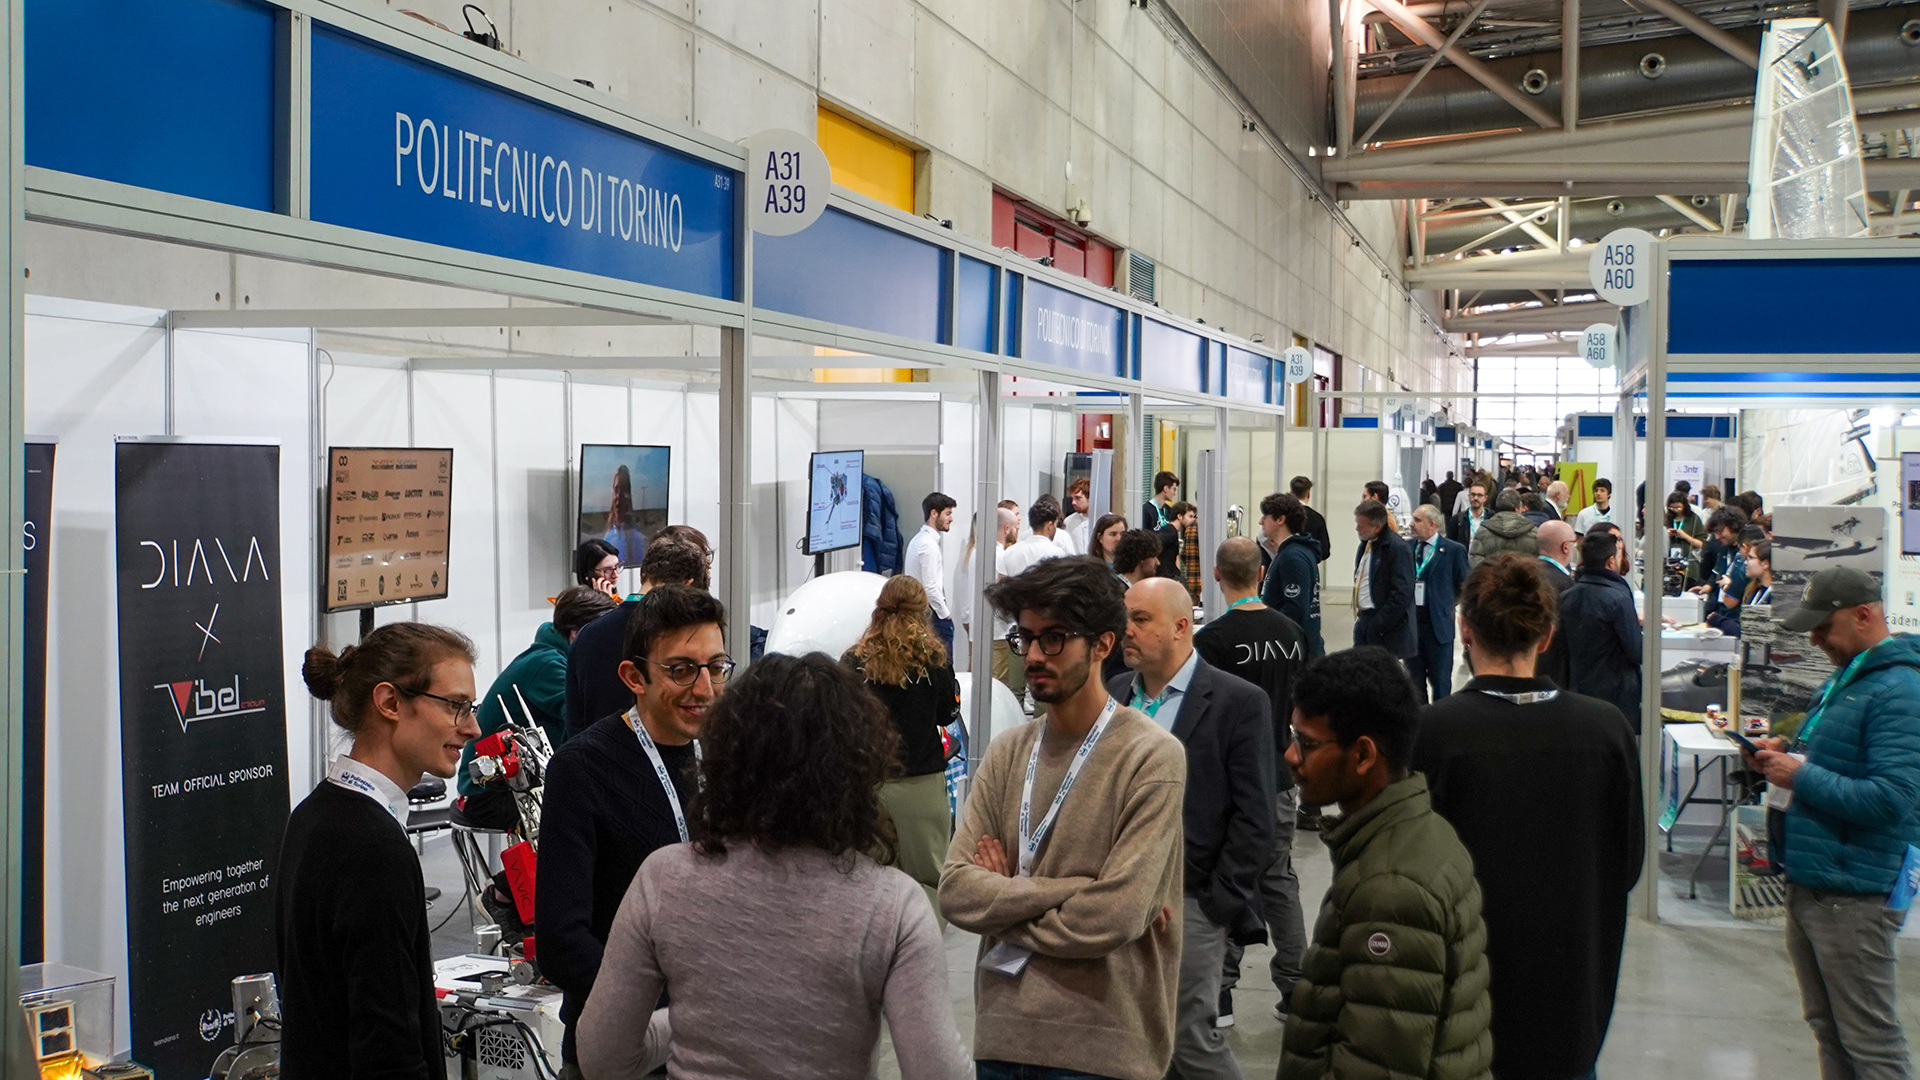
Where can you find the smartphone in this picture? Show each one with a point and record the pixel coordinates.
(1744, 743)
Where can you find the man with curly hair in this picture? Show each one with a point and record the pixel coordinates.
(1068, 860)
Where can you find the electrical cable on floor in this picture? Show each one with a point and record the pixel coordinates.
(466, 894)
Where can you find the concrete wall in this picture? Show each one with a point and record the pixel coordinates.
(1052, 100)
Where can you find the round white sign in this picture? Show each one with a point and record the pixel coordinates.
(1389, 406)
(1423, 411)
(1299, 364)
(1621, 268)
(1597, 345)
(788, 181)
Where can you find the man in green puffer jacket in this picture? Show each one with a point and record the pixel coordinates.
(1507, 530)
(1853, 774)
(1395, 978)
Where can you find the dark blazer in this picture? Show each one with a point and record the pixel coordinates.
(1603, 640)
(1460, 530)
(1226, 726)
(1553, 663)
(1446, 572)
(1515, 780)
(1392, 580)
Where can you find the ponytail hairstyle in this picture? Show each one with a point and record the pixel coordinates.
(1508, 605)
(899, 644)
(402, 654)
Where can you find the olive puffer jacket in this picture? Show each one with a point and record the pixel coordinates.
(1503, 532)
(1395, 979)
(1856, 802)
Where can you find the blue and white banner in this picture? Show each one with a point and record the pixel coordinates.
(1065, 329)
(407, 149)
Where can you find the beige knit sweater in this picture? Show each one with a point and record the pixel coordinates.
(1098, 995)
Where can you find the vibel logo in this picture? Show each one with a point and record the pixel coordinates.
(194, 700)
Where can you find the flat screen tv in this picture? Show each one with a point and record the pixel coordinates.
(387, 526)
(1910, 503)
(833, 500)
(623, 496)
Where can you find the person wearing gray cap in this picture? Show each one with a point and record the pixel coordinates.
(1848, 786)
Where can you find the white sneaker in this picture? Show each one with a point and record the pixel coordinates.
(1279, 1013)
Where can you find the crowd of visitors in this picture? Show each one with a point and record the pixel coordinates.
(749, 877)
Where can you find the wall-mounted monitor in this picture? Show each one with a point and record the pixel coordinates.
(623, 496)
(1910, 503)
(387, 526)
(833, 500)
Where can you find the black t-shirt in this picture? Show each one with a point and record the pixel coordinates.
(1265, 648)
(919, 710)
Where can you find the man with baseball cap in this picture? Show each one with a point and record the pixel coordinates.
(1844, 805)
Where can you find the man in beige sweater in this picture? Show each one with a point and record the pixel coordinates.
(1067, 861)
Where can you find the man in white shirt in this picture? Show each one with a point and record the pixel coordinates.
(1034, 548)
(1601, 510)
(924, 561)
(1078, 528)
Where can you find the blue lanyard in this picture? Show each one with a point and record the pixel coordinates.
(1555, 563)
(1139, 700)
(1254, 599)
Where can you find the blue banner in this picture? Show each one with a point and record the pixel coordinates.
(845, 269)
(1248, 375)
(1065, 329)
(174, 97)
(1170, 357)
(407, 149)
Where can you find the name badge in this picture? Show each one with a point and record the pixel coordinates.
(1420, 594)
(1006, 958)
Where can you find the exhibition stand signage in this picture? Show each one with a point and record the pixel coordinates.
(35, 549)
(387, 525)
(408, 149)
(203, 735)
(1061, 328)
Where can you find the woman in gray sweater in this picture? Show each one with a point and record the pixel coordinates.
(779, 939)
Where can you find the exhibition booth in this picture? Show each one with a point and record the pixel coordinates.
(397, 323)
(1826, 389)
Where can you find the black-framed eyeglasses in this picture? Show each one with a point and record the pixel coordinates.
(461, 708)
(1308, 746)
(1020, 639)
(686, 673)
(606, 573)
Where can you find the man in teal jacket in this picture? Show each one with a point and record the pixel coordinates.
(1850, 785)
(539, 673)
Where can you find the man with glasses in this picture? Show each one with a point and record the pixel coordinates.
(1395, 979)
(594, 687)
(1067, 861)
(619, 791)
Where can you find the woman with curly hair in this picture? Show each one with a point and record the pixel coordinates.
(779, 938)
(906, 667)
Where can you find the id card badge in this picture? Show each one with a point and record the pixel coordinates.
(1006, 958)
(1419, 594)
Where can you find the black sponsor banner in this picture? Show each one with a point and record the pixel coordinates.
(203, 736)
(36, 537)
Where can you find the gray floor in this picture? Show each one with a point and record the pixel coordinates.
(1696, 1002)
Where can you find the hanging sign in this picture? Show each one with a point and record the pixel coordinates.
(1621, 268)
(203, 735)
(1597, 345)
(788, 181)
(1422, 411)
(36, 544)
(1390, 406)
(1065, 329)
(1299, 363)
(413, 151)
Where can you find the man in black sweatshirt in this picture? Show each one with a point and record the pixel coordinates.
(618, 791)
(1293, 577)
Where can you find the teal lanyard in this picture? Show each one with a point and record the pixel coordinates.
(1420, 566)
(1555, 563)
(1834, 686)
(1243, 600)
(1151, 708)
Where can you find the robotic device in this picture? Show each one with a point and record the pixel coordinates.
(510, 767)
(255, 1053)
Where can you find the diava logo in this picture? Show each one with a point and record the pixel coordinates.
(193, 700)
